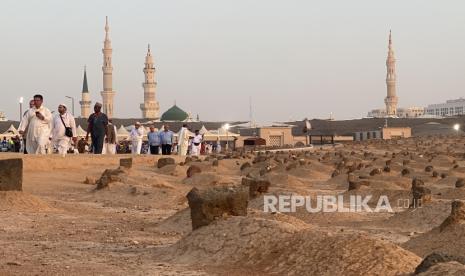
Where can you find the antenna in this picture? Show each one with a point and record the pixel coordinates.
(250, 111)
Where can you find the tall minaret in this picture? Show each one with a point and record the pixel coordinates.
(107, 93)
(85, 98)
(391, 98)
(150, 106)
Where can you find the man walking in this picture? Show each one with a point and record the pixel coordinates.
(183, 140)
(137, 133)
(196, 143)
(63, 130)
(97, 128)
(37, 122)
(111, 139)
(166, 137)
(154, 140)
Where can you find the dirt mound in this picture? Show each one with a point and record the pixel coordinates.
(420, 219)
(229, 241)
(449, 268)
(282, 248)
(449, 241)
(20, 201)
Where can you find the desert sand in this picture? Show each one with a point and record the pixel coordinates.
(140, 224)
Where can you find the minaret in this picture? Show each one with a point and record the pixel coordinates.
(107, 93)
(85, 98)
(391, 98)
(150, 106)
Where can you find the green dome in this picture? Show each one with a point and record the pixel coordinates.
(174, 114)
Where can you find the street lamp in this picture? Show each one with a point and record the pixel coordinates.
(457, 128)
(72, 102)
(21, 100)
(226, 128)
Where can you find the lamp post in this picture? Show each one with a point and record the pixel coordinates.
(226, 127)
(457, 128)
(21, 100)
(72, 102)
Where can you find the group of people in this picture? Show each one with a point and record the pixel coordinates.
(164, 140)
(44, 132)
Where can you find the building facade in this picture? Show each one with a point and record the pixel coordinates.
(2, 117)
(107, 94)
(408, 112)
(85, 101)
(150, 108)
(449, 108)
(385, 133)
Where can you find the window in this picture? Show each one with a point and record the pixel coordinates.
(276, 140)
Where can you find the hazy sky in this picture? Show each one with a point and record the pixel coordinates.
(295, 59)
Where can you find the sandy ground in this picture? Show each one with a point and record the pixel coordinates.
(60, 226)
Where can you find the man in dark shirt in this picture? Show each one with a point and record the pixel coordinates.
(97, 127)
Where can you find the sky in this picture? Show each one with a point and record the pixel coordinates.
(294, 59)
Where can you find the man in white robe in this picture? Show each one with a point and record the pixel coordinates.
(197, 143)
(137, 133)
(183, 140)
(37, 122)
(59, 140)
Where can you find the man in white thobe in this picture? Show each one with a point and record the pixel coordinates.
(137, 133)
(197, 143)
(111, 139)
(60, 122)
(37, 122)
(183, 140)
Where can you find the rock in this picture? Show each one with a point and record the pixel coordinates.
(208, 205)
(110, 176)
(460, 183)
(215, 163)
(291, 166)
(375, 172)
(387, 169)
(256, 186)
(193, 169)
(90, 180)
(420, 194)
(125, 163)
(133, 191)
(429, 168)
(457, 215)
(335, 173)
(443, 175)
(435, 258)
(302, 162)
(11, 174)
(435, 174)
(245, 166)
(187, 160)
(165, 161)
(357, 184)
(405, 172)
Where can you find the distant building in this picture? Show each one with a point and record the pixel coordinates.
(150, 106)
(385, 133)
(85, 101)
(409, 112)
(449, 108)
(391, 99)
(2, 117)
(107, 93)
(175, 114)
